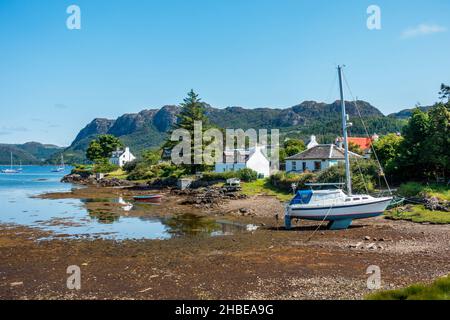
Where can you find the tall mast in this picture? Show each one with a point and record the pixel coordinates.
(11, 162)
(344, 129)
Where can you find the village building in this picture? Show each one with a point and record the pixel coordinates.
(364, 143)
(317, 158)
(120, 157)
(255, 159)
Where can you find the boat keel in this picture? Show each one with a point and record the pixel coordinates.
(287, 222)
(339, 224)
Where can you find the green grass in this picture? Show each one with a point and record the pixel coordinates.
(263, 187)
(438, 290)
(119, 174)
(419, 214)
(414, 189)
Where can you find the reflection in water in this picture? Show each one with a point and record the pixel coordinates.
(103, 216)
(109, 218)
(126, 206)
(191, 224)
(188, 224)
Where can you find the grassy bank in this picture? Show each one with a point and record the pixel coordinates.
(263, 187)
(415, 189)
(419, 214)
(438, 290)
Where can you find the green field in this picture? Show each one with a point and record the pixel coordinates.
(263, 187)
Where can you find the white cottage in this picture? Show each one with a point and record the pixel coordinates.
(235, 160)
(317, 158)
(120, 157)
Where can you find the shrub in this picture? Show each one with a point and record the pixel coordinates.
(105, 167)
(360, 179)
(411, 189)
(82, 169)
(220, 176)
(130, 166)
(144, 171)
(248, 175)
(141, 172)
(284, 181)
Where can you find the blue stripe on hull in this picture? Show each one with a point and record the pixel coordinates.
(344, 206)
(341, 217)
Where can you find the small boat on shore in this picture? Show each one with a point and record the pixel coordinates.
(334, 205)
(152, 198)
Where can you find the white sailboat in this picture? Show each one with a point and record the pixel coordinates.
(10, 170)
(62, 167)
(20, 169)
(334, 205)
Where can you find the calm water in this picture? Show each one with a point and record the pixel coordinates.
(72, 217)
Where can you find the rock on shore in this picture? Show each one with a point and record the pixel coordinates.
(209, 197)
(92, 181)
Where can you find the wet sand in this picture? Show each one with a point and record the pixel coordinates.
(270, 263)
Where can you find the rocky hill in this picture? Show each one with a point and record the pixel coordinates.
(27, 153)
(406, 113)
(148, 128)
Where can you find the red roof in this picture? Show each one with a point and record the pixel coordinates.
(363, 143)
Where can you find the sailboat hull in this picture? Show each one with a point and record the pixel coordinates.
(344, 212)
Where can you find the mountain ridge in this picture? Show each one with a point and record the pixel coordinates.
(148, 128)
(27, 153)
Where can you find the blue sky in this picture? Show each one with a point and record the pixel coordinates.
(138, 54)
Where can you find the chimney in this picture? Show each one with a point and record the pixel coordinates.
(312, 142)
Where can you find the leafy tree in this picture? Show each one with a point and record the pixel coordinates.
(353, 147)
(387, 149)
(151, 157)
(438, 140)
(412, 159)
(425, 151)
(445, 92)
(282, 155)
(294, 146)
(192, 110)
(102, 147)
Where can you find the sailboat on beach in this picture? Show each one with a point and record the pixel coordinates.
(334, 205)
(61, 167)
(11, 170)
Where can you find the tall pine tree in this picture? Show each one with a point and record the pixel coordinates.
(192, 110)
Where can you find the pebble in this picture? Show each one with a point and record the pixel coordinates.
(15, 284)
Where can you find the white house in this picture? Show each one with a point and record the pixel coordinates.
(120, 157)
(235, 160)
(317, 158)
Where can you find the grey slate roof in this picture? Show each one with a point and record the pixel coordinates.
(323, 152)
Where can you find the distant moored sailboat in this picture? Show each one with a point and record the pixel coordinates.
(61, 167)
(11, 170)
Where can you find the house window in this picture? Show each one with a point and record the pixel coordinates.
(304, 166)
(317, 165)
(294, 165)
